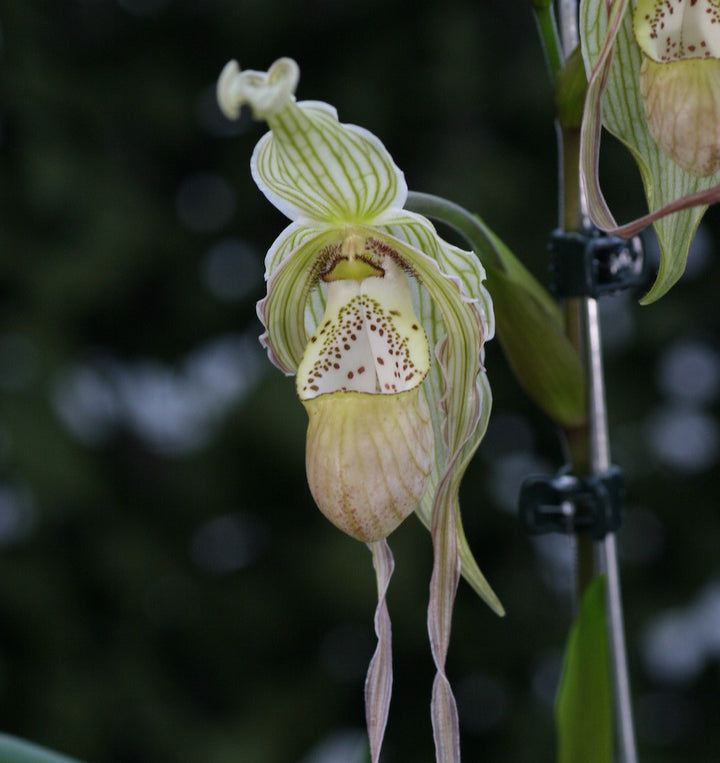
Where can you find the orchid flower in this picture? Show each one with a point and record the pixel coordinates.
(654, 82)
(383, 325)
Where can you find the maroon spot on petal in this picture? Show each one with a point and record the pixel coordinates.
(314, 387)
(350, 374)
(361, 370)
(381, 361)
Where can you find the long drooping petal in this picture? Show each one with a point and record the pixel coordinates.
(599, 34)
(457, 318)
(443, 587)
(459, 323)
(378, 684)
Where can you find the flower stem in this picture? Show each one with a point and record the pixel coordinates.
(548, 31)
(589, 446)
(468, 225)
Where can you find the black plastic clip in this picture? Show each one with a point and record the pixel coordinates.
(569, 504)
(591, 263)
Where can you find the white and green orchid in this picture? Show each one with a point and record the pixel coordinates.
(654, 82)
(383, 323)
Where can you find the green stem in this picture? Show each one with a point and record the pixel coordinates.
(469, 226)
(547, 28)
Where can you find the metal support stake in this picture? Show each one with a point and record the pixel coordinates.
(584, 330)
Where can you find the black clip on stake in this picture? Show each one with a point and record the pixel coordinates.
(591, 263)
(569, 504)
(583, 264)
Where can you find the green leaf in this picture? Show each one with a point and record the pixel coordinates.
(14, 750)
(583, 710)
(623, 114)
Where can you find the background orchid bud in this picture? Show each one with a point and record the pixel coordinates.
(653, 83)
(680, 79)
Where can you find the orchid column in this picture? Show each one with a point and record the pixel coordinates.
(383, 324)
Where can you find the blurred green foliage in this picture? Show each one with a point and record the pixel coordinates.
(168, 591)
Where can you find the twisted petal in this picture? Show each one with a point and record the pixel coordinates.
(457, 318)
(673, 30)
(458, 325)
(378, 684)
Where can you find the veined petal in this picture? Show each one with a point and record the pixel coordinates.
(290, 275)
(311, 166)
(457, 317)
(460, 323)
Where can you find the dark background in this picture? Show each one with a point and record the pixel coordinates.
(168, 591)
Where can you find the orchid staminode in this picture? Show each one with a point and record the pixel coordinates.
(654, 82)
(383, 324)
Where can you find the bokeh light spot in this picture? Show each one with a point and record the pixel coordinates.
(205, 202)
(690, 372)
(228, 543)
(345, 653)
(232, 270)
(684, 439)
(483, 702)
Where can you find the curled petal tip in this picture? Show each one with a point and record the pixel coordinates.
(265, 92)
